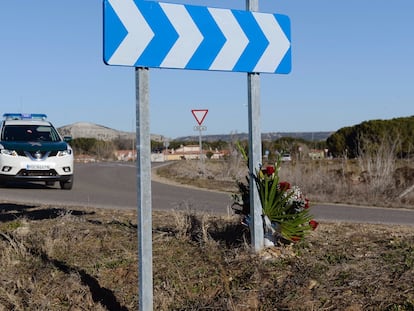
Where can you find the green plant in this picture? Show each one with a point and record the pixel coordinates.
(285, 209)
(284, 206)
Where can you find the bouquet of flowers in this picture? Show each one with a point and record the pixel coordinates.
(285, 209)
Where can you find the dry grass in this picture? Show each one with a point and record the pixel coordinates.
(86, 259)
(371, 180)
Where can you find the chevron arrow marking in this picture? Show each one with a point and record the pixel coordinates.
(189, 37)
(257, 42)
(165, 35)
(236, 40)
(278, 43)
(213, 38)
(139, 33)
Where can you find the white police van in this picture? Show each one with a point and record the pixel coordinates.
(31, 149)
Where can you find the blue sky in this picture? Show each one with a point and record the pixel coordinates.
(352, 61)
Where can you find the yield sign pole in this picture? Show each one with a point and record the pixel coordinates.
(255, 149)
(144, 190)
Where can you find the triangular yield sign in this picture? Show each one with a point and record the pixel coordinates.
(199, 115)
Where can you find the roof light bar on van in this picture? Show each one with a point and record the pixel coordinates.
(25, 116)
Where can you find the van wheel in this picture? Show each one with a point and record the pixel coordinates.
(66, 185)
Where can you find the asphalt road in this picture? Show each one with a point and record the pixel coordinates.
(113, 185)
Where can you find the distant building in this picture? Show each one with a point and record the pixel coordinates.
(316, 154)
(125, 155)
(190, 152)
(84, 158)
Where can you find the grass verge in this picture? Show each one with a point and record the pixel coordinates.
(86, 259)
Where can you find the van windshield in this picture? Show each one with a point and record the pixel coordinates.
(21, 133)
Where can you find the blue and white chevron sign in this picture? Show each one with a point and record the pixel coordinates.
(141, 33)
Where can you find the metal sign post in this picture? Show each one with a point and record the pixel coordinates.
(255, 149)
(255, 160)
(200, 143)
(200, 129)
(144, 190)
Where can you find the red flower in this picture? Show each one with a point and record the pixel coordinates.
(270, 170)
(314, 224)
(284, 185)
(306, 204)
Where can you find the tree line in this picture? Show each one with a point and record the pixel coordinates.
(349, 142)
(368, 136)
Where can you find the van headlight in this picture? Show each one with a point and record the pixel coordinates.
(64, 153)
(8, 152)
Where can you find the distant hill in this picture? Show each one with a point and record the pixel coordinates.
(91, 130)
(309, 136)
